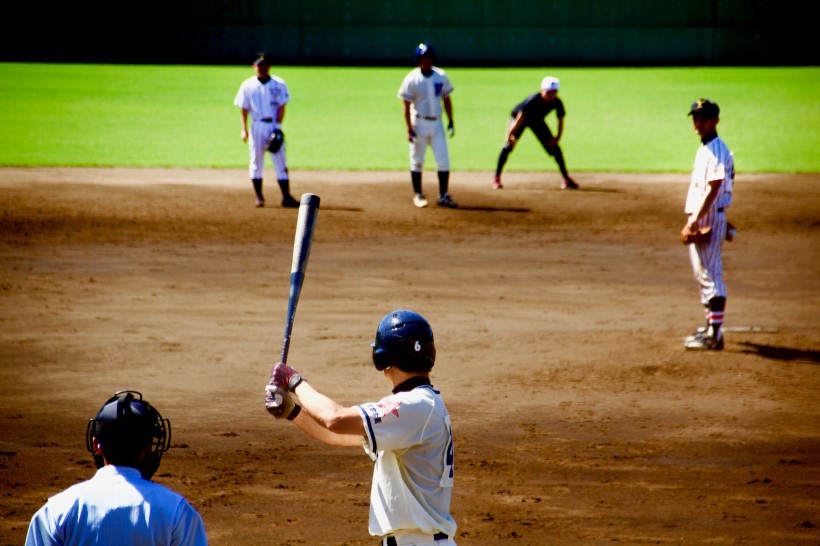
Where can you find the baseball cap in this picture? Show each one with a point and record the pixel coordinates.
(549, 84)
(705, 109)
(262, 58)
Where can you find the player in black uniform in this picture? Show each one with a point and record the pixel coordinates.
(531, 113)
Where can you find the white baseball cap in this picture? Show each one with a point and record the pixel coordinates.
(549, 84)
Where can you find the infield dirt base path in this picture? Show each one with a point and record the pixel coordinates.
(559, 318)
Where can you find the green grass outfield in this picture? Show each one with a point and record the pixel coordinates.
(618, 119)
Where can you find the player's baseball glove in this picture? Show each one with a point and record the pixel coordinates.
(275, 141)
(701, 235)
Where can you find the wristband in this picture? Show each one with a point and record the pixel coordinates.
(294, 412)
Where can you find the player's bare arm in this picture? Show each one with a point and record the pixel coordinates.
(280, 115)
(340, 420)
(708, 201)
(244, 121)
(408, 121)
(448, 108)
(514, 127)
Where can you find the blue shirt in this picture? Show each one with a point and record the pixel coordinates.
(117, 506)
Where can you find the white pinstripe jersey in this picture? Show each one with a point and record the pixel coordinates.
(713, 161)
(262, 100)
(409, 437)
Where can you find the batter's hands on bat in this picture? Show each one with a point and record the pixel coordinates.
(284, 376)
(451, 130)
(280, 403)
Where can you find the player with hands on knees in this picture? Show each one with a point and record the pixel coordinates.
(531, 113)
(407, 433)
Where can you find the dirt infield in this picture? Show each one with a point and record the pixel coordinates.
(559, 318)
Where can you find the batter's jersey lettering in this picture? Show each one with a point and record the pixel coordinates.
(713, 161)
(409, 436)
(425, 92)
(263, 100)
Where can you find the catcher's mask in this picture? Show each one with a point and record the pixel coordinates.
(404, 339)
(125, 425)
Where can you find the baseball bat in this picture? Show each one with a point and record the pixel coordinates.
(305, 226)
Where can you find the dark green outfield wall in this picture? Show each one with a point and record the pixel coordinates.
(466, 32)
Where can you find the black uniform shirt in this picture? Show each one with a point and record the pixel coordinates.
(534, 107)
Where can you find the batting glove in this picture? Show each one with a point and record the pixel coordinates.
(280, 403)
(411, 135)
(451, 130)
(284, 376)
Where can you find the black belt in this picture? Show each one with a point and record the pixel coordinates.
(391, 540)
(428, 118)
(266, 120)
(720, 209)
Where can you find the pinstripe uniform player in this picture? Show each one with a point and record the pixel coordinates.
(423, 91)
(263, 97)
(709, 195)
(531, 113)
(407, 433)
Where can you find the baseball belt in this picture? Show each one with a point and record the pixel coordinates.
(391, 540)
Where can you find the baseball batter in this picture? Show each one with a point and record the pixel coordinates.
(423, 91)
(408, 433)
(531, 113)
(263, 97)
(708, 198)
(120, 504)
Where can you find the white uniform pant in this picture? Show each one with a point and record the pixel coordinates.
(429, 133)
(707, 261)
(257, 143)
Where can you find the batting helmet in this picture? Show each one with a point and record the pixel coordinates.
(405, 340)
(425, 50)
(125, 425)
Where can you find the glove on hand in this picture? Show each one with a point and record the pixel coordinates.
(411, 135)
(699, 235)
(284, 376)
(451, 130)
(280, 403)
(277, 138)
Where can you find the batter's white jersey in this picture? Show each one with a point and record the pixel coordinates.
(713, 161)
(409, 437)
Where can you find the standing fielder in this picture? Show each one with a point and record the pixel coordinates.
(264, 97)
(407, 433)
(710, 194)
(423, 91)
(531, 113)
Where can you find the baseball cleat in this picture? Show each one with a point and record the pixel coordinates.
(497, 185)
(568, 184)
(419, 200)
(446, 201)
(289, 202)
(701, 342)
(260, 203)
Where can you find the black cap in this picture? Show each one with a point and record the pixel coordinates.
(262, 58)
(704, 108)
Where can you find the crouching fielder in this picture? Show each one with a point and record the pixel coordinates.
(407, 433)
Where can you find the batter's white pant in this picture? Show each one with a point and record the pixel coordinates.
(429, 133)
(707, 261)
(257, 143)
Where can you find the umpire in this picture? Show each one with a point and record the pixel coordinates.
(531, 113)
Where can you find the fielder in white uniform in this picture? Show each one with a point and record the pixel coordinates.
(120, 505)
(407, 433)
(423, 91)
(263, 97)
(708, 198)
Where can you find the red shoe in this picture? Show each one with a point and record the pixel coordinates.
(497, 185)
